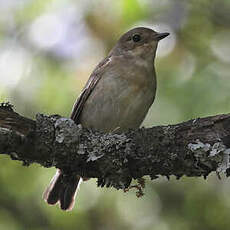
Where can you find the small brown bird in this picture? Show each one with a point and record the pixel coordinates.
(116, 98)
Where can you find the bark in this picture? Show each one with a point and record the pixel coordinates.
(193, 148)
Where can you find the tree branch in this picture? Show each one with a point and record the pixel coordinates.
(193, 148)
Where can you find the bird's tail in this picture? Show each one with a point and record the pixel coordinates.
(62, 190)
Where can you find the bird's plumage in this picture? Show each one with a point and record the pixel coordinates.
(116, 98)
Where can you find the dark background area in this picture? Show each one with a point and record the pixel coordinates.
(48, 50)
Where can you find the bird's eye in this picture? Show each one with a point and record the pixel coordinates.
(136, 37)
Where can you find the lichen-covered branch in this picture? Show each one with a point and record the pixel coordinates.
(193, 148)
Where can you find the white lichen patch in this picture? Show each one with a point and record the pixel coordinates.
(81, 149)
(224, 165)
(66, 131)
(218, 148)
(94, 157)
(199, 146)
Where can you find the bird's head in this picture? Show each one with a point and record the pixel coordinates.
(140, 41)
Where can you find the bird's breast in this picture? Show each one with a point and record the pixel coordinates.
(119, 101)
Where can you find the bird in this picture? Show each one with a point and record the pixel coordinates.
(116, 98)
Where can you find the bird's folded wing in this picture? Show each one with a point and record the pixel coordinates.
(91, 83)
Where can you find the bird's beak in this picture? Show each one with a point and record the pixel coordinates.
(160, 36)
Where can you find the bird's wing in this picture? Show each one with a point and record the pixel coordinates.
(91, 83)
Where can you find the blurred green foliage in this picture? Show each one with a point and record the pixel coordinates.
(48, 50)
